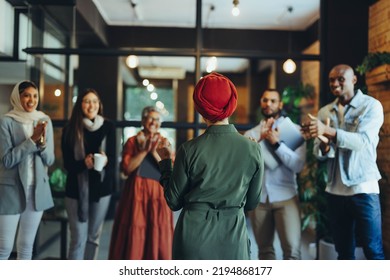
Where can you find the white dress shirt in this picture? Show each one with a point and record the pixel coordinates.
(280, 183)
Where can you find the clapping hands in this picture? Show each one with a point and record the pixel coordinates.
(39, 133)
(164, 149)
(266, 128)
(268, 133)
(148, 143)
(315, 128)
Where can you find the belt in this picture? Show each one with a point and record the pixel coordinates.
(211, 211)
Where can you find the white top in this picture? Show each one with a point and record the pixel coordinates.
(28, 131)
(338, 188)
(280, 184)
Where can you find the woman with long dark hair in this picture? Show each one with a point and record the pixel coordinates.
(88, 191)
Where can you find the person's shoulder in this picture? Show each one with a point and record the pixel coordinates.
(327, 106)
(245, 140)
(192, 142)
(370, 98)
(131, 140)
(253, 129)
(192, 145)
(249, 145)
(108, 123)
(6, 119)
(367, 100)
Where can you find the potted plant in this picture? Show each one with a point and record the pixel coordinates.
(373, 60)
(312, 183)
(375, 67)
(312, 179)
(309, 189)
(292, 98)
(57, 182)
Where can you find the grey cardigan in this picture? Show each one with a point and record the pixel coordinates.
(14, 146)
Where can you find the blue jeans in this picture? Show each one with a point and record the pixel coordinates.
(357, 215)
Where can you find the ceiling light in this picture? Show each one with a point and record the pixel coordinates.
(145, 82)
(150, 87)
(132, 61)
(289, 66)
(160, 105)
(235, 10)
(57, 92)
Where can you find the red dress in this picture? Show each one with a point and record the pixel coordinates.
(143, 225)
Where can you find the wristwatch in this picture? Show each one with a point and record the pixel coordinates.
(276, 145)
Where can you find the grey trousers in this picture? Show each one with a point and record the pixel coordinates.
(85, 237)
(284, 217)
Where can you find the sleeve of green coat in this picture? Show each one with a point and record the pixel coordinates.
(256, 183)
(175, 180)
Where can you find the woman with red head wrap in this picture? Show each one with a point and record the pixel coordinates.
(215, 178)
(215, 97)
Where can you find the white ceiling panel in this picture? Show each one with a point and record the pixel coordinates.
(254, 14)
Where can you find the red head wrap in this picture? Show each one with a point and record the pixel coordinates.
(215, 97)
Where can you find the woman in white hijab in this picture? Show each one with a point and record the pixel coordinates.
(26, 150)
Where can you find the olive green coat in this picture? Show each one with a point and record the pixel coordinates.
(216, 176)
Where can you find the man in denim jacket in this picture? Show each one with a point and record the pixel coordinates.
(346, 133)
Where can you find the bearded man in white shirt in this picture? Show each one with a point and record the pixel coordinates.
(279, 208)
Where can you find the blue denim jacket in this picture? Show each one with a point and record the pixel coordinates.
(357, 139)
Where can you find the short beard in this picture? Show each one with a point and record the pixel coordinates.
(275, 115)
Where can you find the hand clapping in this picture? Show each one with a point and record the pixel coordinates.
(147, 143)
(164, 149)
(39, 133)
(316, 128)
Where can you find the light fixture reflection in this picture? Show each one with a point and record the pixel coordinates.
(153, 95)
(132, 61)
(211, 64)
(289, 66)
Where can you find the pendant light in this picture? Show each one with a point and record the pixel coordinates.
(235, 10)
(289, 65)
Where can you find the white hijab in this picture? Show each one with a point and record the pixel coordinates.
(18, 113)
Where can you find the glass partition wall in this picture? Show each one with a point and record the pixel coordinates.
(68, 47)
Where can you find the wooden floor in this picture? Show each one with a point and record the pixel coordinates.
(49, 242)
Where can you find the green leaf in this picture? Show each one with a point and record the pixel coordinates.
(373, 60)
